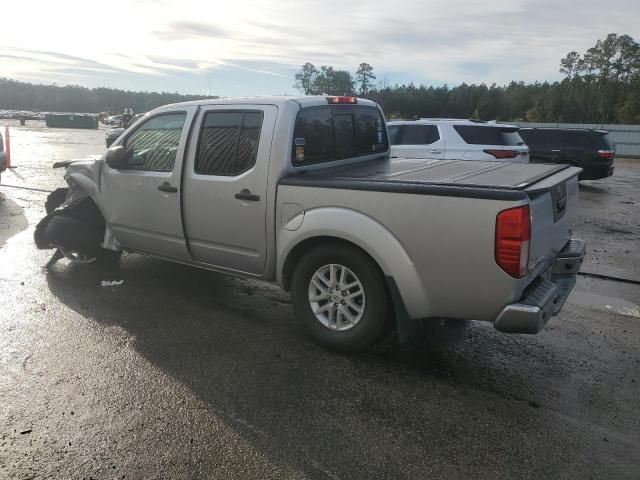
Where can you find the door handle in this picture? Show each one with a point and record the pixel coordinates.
(435, 151)
(247, 195)
(166, 187)
(555, 151)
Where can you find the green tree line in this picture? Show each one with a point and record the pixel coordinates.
(600, 86)
(16, 95)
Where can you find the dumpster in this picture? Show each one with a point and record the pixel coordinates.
(71, 120)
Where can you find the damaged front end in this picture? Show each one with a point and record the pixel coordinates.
(74, 225)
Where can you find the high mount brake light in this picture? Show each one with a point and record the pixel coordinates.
(347, 100)
(513, 236)
(501, 154)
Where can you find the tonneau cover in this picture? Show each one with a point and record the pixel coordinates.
(500, 180)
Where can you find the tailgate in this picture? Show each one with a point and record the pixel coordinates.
(553, 206)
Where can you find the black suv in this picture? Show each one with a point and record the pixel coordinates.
(591, 150)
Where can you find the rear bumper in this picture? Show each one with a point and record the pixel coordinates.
(546, 295)
(595, 172)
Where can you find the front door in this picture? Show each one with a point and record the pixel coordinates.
(225, 186)
(142, 201)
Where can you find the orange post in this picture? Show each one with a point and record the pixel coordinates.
(7, 145)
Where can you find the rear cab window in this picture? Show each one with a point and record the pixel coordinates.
(489, 135)
(335, 132)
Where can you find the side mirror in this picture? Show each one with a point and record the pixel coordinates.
(116, 157)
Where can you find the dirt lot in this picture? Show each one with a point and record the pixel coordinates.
(181, 373)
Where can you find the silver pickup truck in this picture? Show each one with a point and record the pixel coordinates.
(302, 191)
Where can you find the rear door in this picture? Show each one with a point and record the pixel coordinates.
(548, 147)
(225, 186)
(417, 141)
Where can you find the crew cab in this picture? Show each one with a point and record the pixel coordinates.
(302, 191)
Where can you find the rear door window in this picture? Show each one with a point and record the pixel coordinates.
(228, 143)
(488, 135)
(548, 137)
(418, 135)
(330, 133)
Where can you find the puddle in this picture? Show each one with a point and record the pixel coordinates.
(605, 302)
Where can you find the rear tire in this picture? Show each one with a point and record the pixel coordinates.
(344, 319)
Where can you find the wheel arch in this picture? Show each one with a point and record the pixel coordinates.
(83, 179)
(298, 251)
(350, 227)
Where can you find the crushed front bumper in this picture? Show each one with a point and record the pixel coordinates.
(546, 295)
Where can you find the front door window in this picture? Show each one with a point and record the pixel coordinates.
(153, 146)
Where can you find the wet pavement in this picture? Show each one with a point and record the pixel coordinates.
(183, 373)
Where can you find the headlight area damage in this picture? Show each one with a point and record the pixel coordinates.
(74, 225)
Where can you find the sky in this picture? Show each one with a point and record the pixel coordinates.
(255, 47)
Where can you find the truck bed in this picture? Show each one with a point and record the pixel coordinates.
(473, 179)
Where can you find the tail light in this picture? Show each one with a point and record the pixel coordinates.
(502, 154)
(348, 100)
(513, 235)
(607, 154)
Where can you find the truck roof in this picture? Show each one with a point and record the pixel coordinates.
(302, 101)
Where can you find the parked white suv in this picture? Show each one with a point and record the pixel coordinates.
(453, 139)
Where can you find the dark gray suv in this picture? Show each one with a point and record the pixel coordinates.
(591, 150)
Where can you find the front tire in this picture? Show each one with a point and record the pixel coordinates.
(339, 295)
(73, 235)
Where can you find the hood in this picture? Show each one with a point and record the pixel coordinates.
(86, 159)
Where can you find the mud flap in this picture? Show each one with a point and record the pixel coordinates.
(405, 326)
